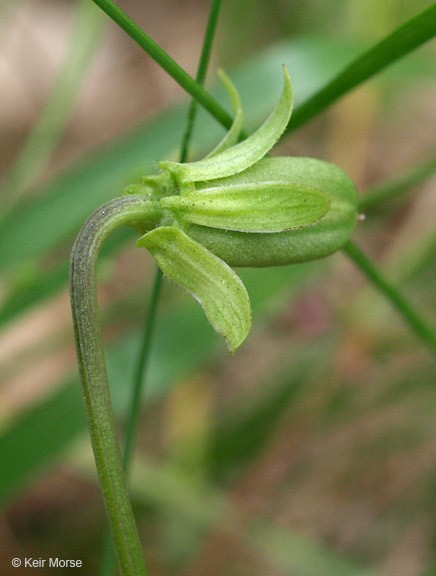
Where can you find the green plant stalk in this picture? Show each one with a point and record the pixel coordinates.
(203, 65)
(57, 111)
(92, 368)
(416, 322)
(413, 261)
(108, 558)
(165, 61)
(141, 366)
(397, 185)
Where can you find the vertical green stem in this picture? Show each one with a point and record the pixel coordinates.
(203, 64)
(92, 367)
(413, 318)
(149, 325)
(132, 421)
(144, 351)
(148, 329)
(108, 556)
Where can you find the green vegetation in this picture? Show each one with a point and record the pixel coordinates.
(356, 366)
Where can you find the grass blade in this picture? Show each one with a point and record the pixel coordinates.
(402, 41)
(397, 185)
(165, 61)
(57, 111)
(413, 318)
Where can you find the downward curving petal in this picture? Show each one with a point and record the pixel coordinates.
(213, 283)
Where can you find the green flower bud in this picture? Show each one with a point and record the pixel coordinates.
(238, 208)
(312, 241)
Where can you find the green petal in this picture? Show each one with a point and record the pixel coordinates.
(266, 207)
(233, 134)
(213, 283)
(242, 155)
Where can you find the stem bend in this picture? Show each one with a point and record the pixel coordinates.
(92, 368)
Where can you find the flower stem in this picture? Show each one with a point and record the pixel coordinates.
(92, 368)
(412, 316)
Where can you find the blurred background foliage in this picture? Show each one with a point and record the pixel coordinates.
(311, 451)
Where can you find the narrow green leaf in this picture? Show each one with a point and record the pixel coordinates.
(165, 61)
(232, 136)
(403, 40)
(266, 207)
(242, 155)
(219, 290)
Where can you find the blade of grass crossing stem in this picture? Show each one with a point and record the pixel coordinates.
(165, 61)
(416, 322)
(57, 111)
(51, 234)
(402, 41)
(108, 562)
